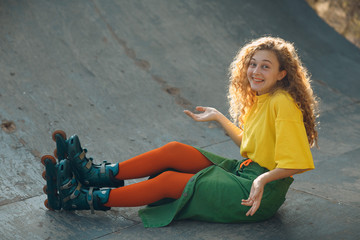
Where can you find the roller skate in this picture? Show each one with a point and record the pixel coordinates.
(65, 192)
(88, 173)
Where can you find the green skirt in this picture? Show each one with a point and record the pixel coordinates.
(214, 194)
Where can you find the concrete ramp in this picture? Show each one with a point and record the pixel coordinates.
(120, 73)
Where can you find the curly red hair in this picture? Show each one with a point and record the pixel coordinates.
(296, 83)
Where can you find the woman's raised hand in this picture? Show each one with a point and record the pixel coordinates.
(211, 114)
(206, 114)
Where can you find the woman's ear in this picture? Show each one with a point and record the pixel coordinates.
(281, 75)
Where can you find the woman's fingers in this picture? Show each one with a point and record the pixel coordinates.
(247, 202)
(205, 114)
(254, 199)
(255, 204)
(200, 109)
(194, 116)
(251, 211)
(187, 112)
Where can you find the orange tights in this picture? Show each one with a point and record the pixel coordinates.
(169, 184)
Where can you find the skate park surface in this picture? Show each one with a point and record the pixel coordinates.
(119, 75)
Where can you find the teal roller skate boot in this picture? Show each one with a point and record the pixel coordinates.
(78, 197)
(88, 173)
(65, 192)
(61, 150)
(73, 196)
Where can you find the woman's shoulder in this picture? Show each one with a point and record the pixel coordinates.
(283, 104)
(281, 96)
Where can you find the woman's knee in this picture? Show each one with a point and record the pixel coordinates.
(174, 148)
(167, 176)
(174, 145)
(173, 177)
(173, 183)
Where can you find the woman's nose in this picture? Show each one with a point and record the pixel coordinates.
(256, 70)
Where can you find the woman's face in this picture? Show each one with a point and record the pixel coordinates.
(263, 71)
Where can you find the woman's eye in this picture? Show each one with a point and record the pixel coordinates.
(265, 66)
(252, 64)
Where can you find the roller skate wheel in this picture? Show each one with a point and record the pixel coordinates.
(44, 175)
(45, 189)
(46, 203)
(45, 157)
(60, 132)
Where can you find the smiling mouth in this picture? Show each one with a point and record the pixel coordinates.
(257, 80)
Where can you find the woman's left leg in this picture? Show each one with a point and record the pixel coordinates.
(168, 184)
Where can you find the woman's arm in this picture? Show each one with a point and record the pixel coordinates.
(211, 114)
(257, 188)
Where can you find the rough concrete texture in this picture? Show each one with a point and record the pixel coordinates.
(120, 73)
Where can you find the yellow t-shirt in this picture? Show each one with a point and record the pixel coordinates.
(274, 134)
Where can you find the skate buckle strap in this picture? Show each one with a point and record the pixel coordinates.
(75, 193)
(90, 199)
(89, 163)
(82, 154)
(103, 167)
(67, 185)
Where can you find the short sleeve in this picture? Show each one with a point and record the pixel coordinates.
(292, 149)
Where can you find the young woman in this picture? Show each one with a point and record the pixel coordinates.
(273, 111)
